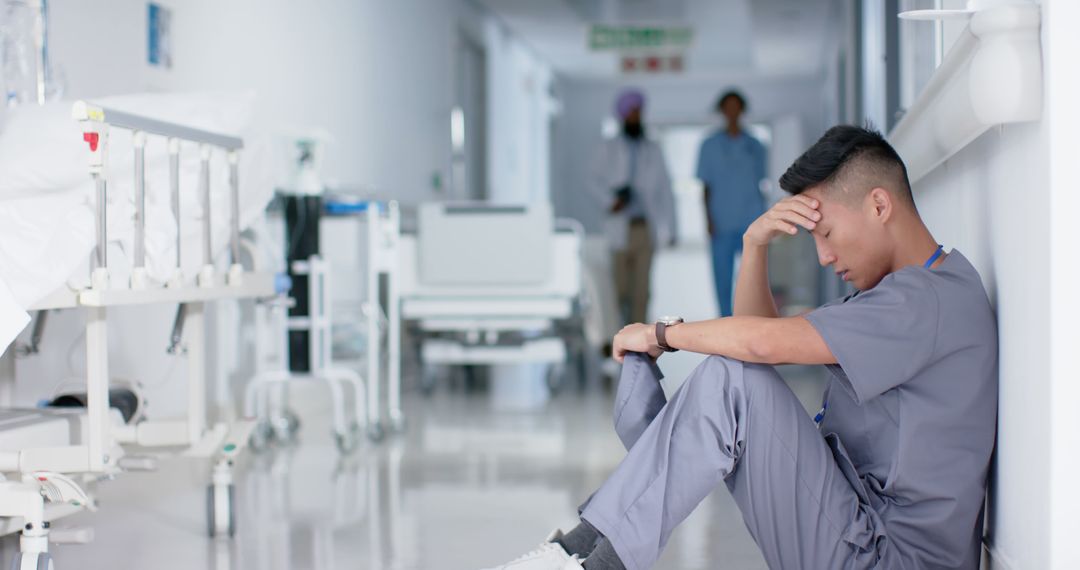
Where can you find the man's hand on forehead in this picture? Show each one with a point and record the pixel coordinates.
(785, 217)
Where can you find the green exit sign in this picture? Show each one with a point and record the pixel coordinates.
(636, 37)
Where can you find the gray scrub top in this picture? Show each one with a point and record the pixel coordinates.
(912, 406)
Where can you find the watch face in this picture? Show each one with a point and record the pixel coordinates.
(670, 320)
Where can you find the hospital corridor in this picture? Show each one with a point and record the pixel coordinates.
(539, 285)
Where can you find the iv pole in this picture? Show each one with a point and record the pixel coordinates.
(41, 45)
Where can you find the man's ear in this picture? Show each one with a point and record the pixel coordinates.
(880, 201)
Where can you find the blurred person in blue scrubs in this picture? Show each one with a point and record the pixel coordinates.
(631, 182)
(731, 165)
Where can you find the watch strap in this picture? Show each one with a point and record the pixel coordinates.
(661, 339)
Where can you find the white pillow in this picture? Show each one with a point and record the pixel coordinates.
(41, 150)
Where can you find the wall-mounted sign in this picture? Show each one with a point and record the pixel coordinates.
(159, 35)
(602, 38)
(651, 63)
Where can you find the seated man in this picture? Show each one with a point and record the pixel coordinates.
(892, 471)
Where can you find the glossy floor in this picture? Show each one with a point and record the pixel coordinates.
(464, 487)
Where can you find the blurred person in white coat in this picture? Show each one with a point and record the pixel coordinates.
(631, 182)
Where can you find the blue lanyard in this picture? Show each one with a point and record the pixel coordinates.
(937, 253)
(821, 414)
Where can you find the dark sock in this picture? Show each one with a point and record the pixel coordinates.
(603, 557)
(580, 540)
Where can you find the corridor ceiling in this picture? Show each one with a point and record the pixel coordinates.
(762, 38)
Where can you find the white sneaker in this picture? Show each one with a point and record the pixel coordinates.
(550, 556)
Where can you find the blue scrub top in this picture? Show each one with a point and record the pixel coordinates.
(733, 168)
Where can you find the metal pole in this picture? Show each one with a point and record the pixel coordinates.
(97, 387)
(393, 331)
(101, 197)
(41, 39)
(176, 338)
(38, 332)
(195, 328)
(204, 186)
(374, 353)
(174, 188)
(139, 142)
(234, 189)
(121, 120)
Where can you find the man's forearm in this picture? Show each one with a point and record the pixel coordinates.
(753, 339)
(753, 295)
(734, 337)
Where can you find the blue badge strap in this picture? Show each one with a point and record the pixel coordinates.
(821, 415)
(933, 258)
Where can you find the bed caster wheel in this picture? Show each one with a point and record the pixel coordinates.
(221, 511)
(286, 427)
(376, 432)
(260, 437)
(32, 561)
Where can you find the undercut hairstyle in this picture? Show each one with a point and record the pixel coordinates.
(850, 161)
(731, 94)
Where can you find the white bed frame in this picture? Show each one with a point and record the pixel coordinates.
(46, 482)
(465, 297)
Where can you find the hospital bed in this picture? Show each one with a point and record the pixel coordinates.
(488, 284)
(51, 459)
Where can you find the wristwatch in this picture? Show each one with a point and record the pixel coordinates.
(661, 326)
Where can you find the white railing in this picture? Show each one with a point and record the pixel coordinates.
(100, 451)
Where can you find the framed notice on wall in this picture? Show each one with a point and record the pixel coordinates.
(159, 34)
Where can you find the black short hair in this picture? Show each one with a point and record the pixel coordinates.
(841, 151)
(731, 93)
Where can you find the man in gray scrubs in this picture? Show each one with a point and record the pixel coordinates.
(892, 472)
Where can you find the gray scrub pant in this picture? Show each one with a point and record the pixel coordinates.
(740, 424)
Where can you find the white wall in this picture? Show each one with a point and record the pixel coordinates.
(1060, 18)
(376, 75)
(1007, 202)
(991, 202)
(520, 108)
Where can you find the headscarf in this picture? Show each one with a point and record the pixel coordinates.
(627, 101)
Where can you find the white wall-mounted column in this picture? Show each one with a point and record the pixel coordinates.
(1062, 94)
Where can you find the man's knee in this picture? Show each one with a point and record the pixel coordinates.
(712, 381)
(733, 377)
(717, 372)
